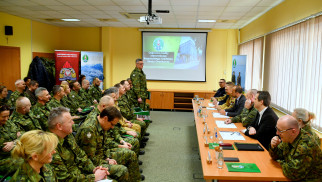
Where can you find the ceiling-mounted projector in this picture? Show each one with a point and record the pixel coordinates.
(151, 19)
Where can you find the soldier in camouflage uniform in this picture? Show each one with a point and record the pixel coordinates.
(96, 138)
(118, 130)
(3, 95)
(95, 91)
(84, 93)
(248, 115)
(74, 95)
(139, 84)
(69, 102)
(304, 118)
(19, 92)
(40, 111)
(70, 162)
(297, 152)
(58, 94)
(23, 118)
(30, 92)
(9, 134)
(131, 94)
(230, 102)
(36, 148)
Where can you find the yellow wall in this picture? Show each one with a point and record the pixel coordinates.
(121, 46)
(21, 38)
(45, 38)
(80, 39)
(285, 13)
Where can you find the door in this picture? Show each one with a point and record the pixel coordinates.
(10, 66)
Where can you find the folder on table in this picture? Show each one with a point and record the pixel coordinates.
(242, 167)
(248, 146)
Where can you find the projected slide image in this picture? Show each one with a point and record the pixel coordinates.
(171, 52)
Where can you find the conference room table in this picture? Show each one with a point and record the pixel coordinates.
(270, 170)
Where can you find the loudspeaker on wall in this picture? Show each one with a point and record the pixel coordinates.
(8, 30)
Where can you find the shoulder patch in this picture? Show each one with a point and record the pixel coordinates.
(133, 74)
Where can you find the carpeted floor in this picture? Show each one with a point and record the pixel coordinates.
(171, 154)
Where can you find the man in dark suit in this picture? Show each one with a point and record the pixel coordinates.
(221, 91)
(239, 103)
(263, 128)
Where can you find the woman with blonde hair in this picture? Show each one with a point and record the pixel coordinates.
(36, 147)
(304, 117)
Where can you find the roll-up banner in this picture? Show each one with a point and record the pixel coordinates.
(67, 65)
(239, 70)
(92, 66)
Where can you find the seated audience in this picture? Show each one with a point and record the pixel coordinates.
(36, 148)
(97, 139)
(19, 92)
(70, 162)
(84, 93)
(304, 118)
(239, 103)
(263, 127)
(95, 90)
(58, 94)
(296, 151)
(3, 95)
(30, 92)
(74, 95)
(248, 115)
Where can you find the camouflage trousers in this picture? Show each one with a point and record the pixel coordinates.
(144, 127)
(135, 144)
(129, 159)
(117, 172)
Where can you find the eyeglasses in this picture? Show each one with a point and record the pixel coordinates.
(282, 131)
(221, 82)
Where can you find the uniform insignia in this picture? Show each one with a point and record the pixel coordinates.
(38, 116)
(12, 99)
(133, 74)
(89, 135)
(73, 96)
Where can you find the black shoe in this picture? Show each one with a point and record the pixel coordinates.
(141, 171)
(140, 162)
(142, 177)
(145, 139)
(147, 134)
(150, 121)
(142, 145)
(142, 152)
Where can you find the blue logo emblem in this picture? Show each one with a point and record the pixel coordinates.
(158, 44)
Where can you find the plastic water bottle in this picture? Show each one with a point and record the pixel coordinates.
(199, 111)
(220, 160)
(215, 135)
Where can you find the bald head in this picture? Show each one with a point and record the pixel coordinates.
(106, 101)
(22, 102)
(289, 122)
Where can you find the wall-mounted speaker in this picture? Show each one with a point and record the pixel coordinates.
(8, 30)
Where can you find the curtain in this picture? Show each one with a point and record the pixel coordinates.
(254, 52)
(292, 67)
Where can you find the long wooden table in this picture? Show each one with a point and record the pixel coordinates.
(270, 169)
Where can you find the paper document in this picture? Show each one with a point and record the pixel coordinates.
(221, 124)
(217, 115)
(210, 105)
(105, 180)
(231, 135)
(211, 108)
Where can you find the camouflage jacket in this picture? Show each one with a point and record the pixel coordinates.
(41, 113)
(300, 160)
(26, 173)
(13, 97)
(93, 140)
(246, 117)
(133, 100)
(69, 103)
(139, 83)
(8, 133)
(77, 99)
(309, 129)
(86, 97)
(71, 162)
(230, 102)
(95, 93)
(122, 122)
(126, 110)
(53, 103)
(31, 96)
(25, 122)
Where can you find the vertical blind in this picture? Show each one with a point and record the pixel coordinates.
(292, 67)
(254, 52)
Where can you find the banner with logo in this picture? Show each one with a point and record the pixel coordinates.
(92, 66)
(239, 70)
(67, 65)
